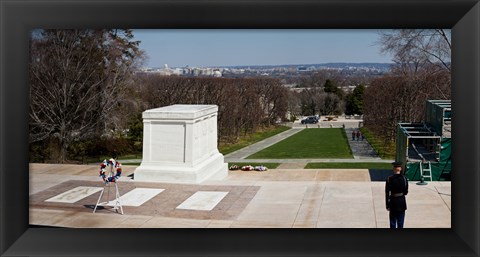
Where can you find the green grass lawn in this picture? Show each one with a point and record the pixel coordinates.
(269, 165)
(266, 164)
(349, 165)
(251, 139)
(309, 143)
(384, 151)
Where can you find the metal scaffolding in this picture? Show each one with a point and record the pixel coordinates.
(427, 143)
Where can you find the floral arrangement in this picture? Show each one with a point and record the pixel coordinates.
(247, 168)
(260, 168)
(234, 167)
(113, 164)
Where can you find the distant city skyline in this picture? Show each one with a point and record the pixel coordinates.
(215, 48)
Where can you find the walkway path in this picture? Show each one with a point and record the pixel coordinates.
(361, 149)
(251, 149)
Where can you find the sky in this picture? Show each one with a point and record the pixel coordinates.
(210, 48)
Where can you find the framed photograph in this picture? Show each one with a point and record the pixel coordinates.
(18, 19)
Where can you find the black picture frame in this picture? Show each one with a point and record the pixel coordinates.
(19, 17)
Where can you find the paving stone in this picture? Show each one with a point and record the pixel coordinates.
(134, 221)
(74, 195)
(165, 222)
(202, 200)
(137, 196)
(283, 198)
(163, 204)
(220, 224)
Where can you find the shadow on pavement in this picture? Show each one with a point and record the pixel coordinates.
(379, 175)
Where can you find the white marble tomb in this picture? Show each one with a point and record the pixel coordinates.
(180, 145)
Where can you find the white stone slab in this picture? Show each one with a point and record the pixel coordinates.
(137, 196)
(203, 200)
(74, 195)
(180, 111)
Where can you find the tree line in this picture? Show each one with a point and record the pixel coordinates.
(245, 104)
(421, 72)
(86, 97)
(327, 98)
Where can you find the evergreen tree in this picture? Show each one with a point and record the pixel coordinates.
(330, 87)
(354, 103)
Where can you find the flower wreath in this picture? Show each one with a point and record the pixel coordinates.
(113, 164)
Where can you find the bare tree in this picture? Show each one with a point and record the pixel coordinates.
(77, 79)
(244, 104)
(293, 103)
(417, 47)
(310, 100)
(420, 54)
(331, 104)
(321, 94)
(422, 71)
(393, 99)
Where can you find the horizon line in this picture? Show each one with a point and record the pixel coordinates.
(253, 65)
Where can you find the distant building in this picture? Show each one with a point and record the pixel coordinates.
(290, 85)
(217, 74)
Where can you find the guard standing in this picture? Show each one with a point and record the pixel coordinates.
(396, 188)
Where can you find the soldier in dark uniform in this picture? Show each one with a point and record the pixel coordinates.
(396, 188)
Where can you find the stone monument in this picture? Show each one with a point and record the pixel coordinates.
(180, 145)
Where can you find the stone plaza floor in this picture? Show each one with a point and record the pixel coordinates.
(65, 195)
